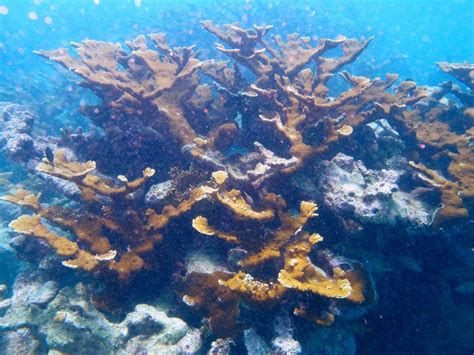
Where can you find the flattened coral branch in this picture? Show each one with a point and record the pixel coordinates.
(254, 291)
(80, 173)
(300, 273)
(464, 72)
(234, 201)
(24, 198)
(451, 202)
(201, 224)
(137, 82)
(32, 226)
(289, 227)
(158, 221)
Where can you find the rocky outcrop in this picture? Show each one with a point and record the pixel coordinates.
(348, 187)
(65, 320)
(158, 193)
(16, 124)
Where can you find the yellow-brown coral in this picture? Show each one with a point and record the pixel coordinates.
(128, 264)
(220, 177)
(234, 201)
(253, 290)
(24, 198)
(289, 227)
(80, 173)
(83, 261)
(452, 207)
(158, 221)
(62, 168)
(301, 274)
(288, 103)
(201, 224)
(32, 226)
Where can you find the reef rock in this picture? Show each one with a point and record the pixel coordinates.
(369, 195)
(283, 342)
(158, 193)
(4, 304)
(380, 141)
(147, 320)
(221, 347)
(254, 343)
(67, 320)
(190, 343)
(16, 124)
(19, 342)
(33, 288)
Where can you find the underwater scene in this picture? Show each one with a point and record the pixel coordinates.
(236, 177)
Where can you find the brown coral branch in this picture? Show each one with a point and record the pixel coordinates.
(201, 224)
(464, 72)
(80, 173)
(451, 202)
(24, 198)
(255, 291)
(300, 273)
(289, 227)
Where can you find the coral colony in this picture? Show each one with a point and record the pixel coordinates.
(240, 129)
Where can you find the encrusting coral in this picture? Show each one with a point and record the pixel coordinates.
(211, 116)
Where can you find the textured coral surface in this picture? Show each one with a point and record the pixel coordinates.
(232, 158)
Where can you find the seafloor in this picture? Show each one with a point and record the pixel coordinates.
(256, 199)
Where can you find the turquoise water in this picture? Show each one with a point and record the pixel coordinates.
(390, 169)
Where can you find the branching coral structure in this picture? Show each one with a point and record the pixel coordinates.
(243, 127)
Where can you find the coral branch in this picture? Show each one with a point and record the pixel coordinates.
(300, 273)
(464, 72)
(32, 226)
(289, 227)
(254, 291)
(201, 224)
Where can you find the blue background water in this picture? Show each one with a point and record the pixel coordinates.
(409, 35)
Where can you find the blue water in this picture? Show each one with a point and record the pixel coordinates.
(414, 273)
(421, 32)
